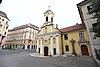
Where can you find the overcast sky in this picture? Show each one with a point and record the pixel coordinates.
(22, 12)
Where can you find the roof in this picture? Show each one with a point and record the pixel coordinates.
(73, 28)
(25, 26)
(3, 14)
(84, 2)
(48, 11)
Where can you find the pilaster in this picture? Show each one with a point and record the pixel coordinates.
(37, 45)
(25, 46)
(51, 45)
(57, 44)
(41, 46)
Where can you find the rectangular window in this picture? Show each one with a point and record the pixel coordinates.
(67, 48)
(65, 36)
(81, 34)
(90, 9)
(94, 25)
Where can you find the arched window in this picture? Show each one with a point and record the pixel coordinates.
(51, 19)
(46, 18)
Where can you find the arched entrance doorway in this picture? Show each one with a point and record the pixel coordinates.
(84, 50)
(45, 51)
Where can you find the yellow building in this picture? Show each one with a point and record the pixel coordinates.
(49, 37)
(76, 40)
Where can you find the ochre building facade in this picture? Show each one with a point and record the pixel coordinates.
(76, 40)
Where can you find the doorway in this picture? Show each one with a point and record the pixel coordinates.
(54, 51)
(39, 50)
(84, 50)
(45, 51)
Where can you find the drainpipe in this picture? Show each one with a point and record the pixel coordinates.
(62, 42)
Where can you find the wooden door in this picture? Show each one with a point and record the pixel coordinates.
(84, 50)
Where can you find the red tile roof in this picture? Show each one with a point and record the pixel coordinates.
(73, 28)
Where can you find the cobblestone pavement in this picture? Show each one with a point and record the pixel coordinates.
(22, 58)
(5, 52)
(82, 61)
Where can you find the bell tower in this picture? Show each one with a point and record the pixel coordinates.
(49, 15)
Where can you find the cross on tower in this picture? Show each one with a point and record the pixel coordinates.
(49, 7)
